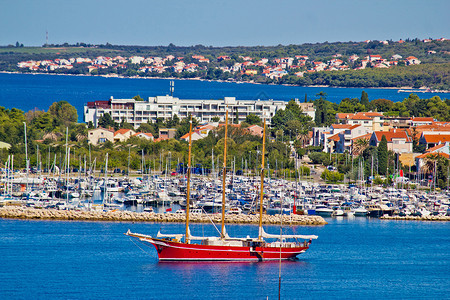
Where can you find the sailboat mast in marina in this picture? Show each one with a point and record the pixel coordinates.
(186, 247)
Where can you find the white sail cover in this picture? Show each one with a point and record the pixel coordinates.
(286, 236)
(178, 236)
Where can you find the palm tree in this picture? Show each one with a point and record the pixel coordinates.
(359, 146)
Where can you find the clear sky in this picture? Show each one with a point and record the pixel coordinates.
(218, 22)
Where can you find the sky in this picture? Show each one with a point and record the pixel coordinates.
(220, 23)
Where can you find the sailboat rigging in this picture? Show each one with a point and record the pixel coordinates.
(172, 247)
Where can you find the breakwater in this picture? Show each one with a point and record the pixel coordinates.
(14, 212)
(417, 218)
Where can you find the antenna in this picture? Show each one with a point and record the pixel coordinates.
(172, 87)
(46, 37)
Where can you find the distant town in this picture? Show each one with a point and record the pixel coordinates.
(273, 68)
(307, 64)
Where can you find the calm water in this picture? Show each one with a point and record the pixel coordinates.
(356, 259)
(28, 91)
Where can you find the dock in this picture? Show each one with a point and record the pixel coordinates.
(16, 212)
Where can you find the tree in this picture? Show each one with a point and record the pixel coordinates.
(63, 113)
(106, 121)
(252, 119)
(138, 98)
(364, 99)
(382, 156)
(359, 146)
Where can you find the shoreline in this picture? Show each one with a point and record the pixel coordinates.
(26, 213)
(235, 82)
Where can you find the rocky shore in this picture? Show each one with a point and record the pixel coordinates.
(412, 218)
(13, 212)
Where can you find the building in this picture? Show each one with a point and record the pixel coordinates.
(167, 133)
(432, 140)
(441, 150)
(144, 135)
(397, 141)
(373, 121)
(138, 112)
(255, 130)
(346, 137)
(123, 135)
(100, 135)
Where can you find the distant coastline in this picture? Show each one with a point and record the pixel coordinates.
(400, 89)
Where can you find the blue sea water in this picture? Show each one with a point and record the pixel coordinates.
(29, 91)
(352, 259)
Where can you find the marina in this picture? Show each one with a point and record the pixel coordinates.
(159, 195)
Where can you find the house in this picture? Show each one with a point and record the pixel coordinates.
(397, 141)
(195, 136)
(411, 60)
(332, 142)
(100, 135)
(418, 121)
(255, 130)
(432, 140)
(144, 135)
(371, 120)
(346, 137)
(441, 150)
(167, 133)
(123, 135)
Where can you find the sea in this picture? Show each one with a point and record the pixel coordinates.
(39, 91)
(352, 259)
(357, 258)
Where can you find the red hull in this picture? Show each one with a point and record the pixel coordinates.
(176, 251)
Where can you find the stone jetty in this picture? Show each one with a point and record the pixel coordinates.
(417, 218)
(14, 212)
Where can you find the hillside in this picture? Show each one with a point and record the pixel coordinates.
(414, 63)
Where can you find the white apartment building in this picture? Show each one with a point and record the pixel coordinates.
(138, 112)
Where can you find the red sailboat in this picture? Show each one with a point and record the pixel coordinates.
(186, 247)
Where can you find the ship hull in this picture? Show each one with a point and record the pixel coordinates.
(176, 251)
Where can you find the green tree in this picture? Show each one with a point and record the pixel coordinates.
(106, 121)
(63, 113)
(382, 156)
(252, 119)
(364, 99)
(138, 98)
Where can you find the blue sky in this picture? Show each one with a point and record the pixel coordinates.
(220, 23)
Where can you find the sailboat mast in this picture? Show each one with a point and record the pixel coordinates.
(224, 174)
(188, 186)
(262, 182)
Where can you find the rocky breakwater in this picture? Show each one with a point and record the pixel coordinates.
(417, 218)
(12, 212)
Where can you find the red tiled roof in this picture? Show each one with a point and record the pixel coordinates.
(334, 137)
(437, 147)
(392, 135)
(434, 153)
(437, 138)
(121, 131)
(341, 126)
(422, 119)
(366, 137)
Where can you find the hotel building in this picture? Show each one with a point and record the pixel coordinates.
(138, 112)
